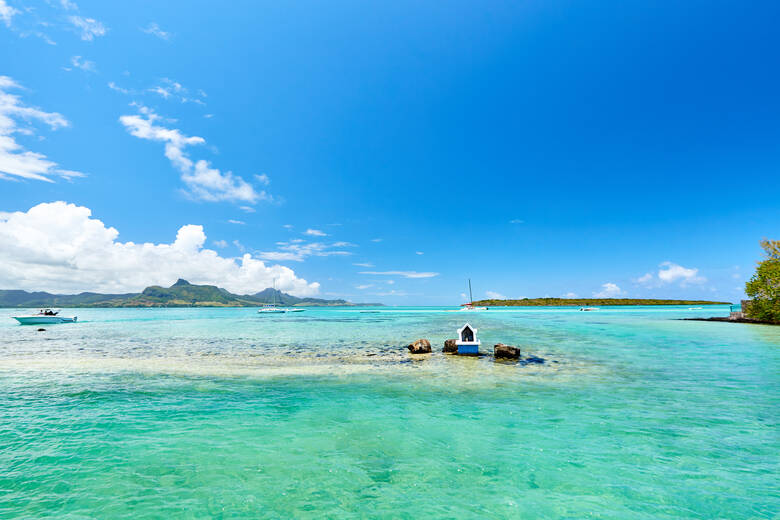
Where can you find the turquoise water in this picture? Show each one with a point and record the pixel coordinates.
(221, 413)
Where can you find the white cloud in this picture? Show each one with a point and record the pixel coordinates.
(364, 286)
(114, 86)
(220, 243)
(68, 5)
(89, 27)
(287, 226)
(15, 161)
(7, 13)
(671, 272)
(376, 239)
(263, 179)
(363, 264)
(569, 295)
(297, 251)
(58, 247)
(203, 182)
(241, 222)
(516, 221)
(495, 295)
(608, 290)
(248, 209)
(645, 279)
(169, 88)
(81, 63)
(155, 30)
(405, 274)
(315, 233)
(419, 253)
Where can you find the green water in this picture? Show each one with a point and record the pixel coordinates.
(221, 413)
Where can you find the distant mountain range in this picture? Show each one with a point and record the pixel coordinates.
(180, 294)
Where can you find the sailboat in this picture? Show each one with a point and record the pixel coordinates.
(271, 308)
(469, 307)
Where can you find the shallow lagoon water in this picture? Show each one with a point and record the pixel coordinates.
(147, 413)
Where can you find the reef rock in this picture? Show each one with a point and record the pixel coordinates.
(421, 346)
(501, 351)
(450, 346)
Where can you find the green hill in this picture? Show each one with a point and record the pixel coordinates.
(180, 294)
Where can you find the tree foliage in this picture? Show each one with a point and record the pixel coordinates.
(764, 286)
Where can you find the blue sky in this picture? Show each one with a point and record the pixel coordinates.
(539, 148)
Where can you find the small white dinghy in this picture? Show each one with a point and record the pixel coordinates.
(45, 317)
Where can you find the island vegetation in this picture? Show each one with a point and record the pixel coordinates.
(180, 294)
(764, 286)
(588, 302)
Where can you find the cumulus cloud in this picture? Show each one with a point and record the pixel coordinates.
(7, 13)
(17, 118)
(315, 233)
(405, 274)
(89, 27)
(203, 182)
(608, 290)
(495, 295)
(155, 30)
(670, 273)
(59, 247)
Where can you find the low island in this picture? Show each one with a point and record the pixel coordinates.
(588, 302)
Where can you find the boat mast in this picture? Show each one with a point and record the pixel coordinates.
(471, 298)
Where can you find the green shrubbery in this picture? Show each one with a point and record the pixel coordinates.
(764, 287)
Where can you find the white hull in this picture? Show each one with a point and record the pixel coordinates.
(43, 320)
(278, 311)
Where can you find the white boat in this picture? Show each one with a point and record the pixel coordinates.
(695, 308)
(589, 309)
(271, 308)
(45, 317)
(469, 307)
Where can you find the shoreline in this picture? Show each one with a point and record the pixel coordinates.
(731, 320)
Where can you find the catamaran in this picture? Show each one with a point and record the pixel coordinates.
(469, 307)
(45, 317)
(271, 308)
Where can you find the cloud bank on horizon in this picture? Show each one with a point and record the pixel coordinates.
(59, 247)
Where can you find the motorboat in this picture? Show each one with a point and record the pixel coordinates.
(45, 317)
(589, 309)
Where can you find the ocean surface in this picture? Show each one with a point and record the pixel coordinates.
(224, 413)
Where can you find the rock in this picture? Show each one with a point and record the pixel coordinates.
(421, 346)
(501, 351)
(41, 330)
(450, 346)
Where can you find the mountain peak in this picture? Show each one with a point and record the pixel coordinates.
(181, 281)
